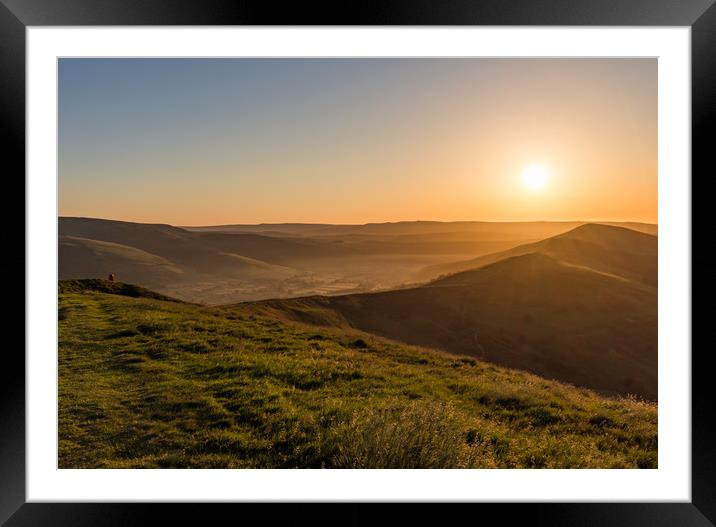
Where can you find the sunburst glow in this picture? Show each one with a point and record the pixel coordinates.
(535, 177)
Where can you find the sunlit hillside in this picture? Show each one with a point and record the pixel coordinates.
(148, 382)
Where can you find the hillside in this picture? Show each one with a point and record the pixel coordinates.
(590, 319)
(600, 247)
(202, 252)
(503, 230)
(236, 263)
(84, 257)
(218, 267)
(205, 267)
(148, 383)
(111, 288)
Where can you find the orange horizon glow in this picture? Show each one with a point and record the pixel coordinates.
(355, 141)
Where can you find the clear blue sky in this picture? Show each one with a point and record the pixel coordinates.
(209, 141)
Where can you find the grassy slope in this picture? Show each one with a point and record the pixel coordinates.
(105, 286)
(530, 312)
(150, 383)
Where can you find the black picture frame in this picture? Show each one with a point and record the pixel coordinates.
(16, 15)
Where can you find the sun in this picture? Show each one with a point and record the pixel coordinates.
(534, 177)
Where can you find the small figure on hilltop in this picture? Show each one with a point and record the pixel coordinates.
(111, 277)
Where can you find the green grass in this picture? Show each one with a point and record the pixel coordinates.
(146, 383)
(115, 288)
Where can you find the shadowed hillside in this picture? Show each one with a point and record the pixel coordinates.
(610, 249)
(147, 383)
(225, 264)
(590, 319)
(216, 266)
(206, 267)
(84, 257)
(203, 252)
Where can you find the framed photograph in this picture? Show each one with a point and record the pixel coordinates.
(414, 253)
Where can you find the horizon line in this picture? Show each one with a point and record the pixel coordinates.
(259, 224)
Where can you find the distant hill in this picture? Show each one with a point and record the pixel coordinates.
(600, 247)
(204, 252)
(503, 230)
(588, 319)
(148, 383)
(194, 266)
(84, 257)
(220, 265)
